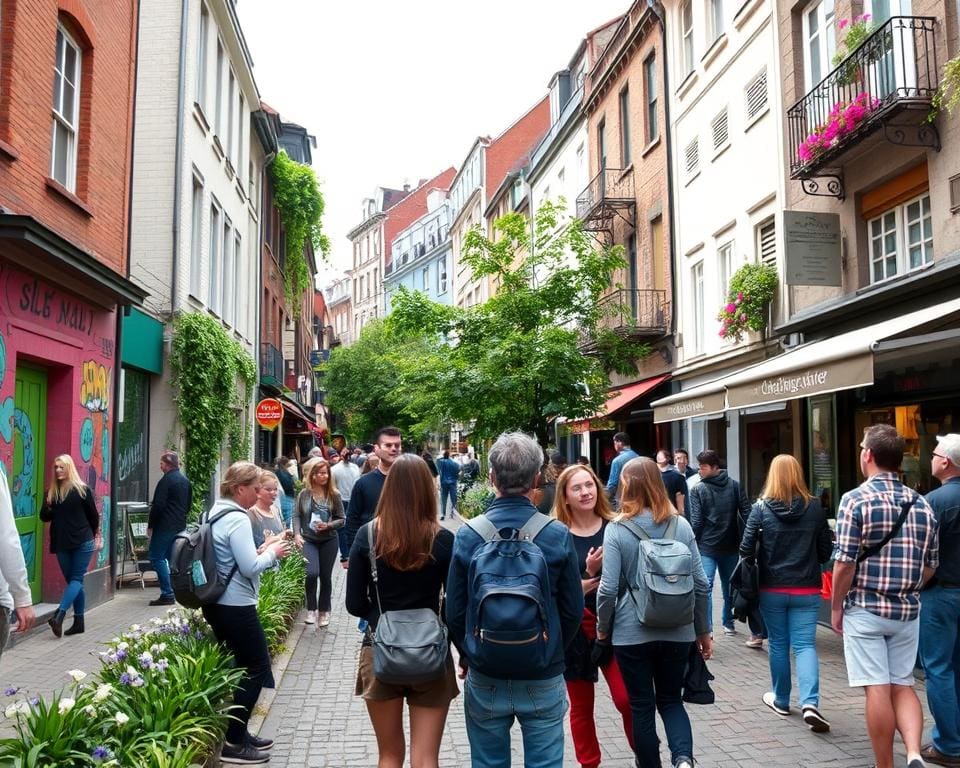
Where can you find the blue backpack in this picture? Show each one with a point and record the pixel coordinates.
(513, 628)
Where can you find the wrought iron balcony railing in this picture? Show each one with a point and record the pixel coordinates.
(893, 73)
(612, 188)
(271, 364)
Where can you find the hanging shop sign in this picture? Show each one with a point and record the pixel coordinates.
(269, 413)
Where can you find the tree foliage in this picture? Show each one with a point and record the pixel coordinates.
(513, 362)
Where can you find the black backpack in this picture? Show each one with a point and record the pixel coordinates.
(193, 563)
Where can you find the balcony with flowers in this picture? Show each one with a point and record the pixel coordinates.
(883, 83)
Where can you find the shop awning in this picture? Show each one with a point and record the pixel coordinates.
(294, 408)
(620, 398)
(829, 365)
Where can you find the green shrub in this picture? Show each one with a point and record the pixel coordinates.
(281, 597)
(475, 500)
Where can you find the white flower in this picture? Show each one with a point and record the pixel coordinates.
(77, 675)
(11, 711)
(65, 705)
(103, 691)
(122, 718)
(23, 707)
(90, 710)
(122, 646)
(135, 628)
(132, 672)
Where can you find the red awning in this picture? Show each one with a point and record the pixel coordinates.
(620, 398)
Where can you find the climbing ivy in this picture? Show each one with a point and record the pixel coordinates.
(208, 367)
(298, 199)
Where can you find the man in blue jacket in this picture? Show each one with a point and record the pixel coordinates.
(536, 697)
(621, 444)
(449, 473)
(172, 499)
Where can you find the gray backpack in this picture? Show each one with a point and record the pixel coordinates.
(664, 596)
(410, 647)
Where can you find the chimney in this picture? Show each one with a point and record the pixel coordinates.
(406, 186)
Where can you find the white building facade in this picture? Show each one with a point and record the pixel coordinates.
(467, 199)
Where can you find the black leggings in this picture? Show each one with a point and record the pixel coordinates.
(238, 628)
(320, 559)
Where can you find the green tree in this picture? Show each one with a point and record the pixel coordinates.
(517, 361)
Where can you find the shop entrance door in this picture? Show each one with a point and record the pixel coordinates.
(29, 457)
(766, 437)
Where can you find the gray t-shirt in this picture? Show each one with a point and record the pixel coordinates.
(233, 543)
(345, 474)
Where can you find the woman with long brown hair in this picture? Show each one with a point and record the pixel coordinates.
(794, 541)
(653, 660)
(413, 556)
(581, 504)
(317, 516)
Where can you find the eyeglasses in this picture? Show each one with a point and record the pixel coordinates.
(939, 456)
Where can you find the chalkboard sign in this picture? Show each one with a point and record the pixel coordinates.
(137, 523)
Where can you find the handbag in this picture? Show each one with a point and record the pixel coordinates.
(745, 583)
(410, 646)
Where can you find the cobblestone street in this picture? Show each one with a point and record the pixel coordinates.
(319, 723)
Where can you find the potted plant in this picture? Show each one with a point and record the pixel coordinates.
(751, 290)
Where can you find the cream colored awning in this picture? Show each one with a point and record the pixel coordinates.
(828, 365)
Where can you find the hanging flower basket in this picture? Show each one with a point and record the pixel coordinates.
(751, 290)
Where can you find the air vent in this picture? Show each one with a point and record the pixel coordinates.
(768, 243)
(692, 155)
(721, 134)
(756, 93)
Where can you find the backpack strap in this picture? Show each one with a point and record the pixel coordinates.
(371, 538)
(482, 526)
(210, 521)
(534, 525)
(635, 529)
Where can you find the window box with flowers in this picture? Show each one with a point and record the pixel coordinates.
(750, 292)
(844, 119)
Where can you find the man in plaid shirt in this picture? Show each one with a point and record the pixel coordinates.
(876, 605)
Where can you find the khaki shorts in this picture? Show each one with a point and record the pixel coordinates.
(436, 693)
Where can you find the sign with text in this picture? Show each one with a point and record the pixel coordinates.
(849, 373)
(812, 247)
(690, 407)
(269, 413)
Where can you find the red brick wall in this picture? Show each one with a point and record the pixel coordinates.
(96, 218)
(513, 144)
(411, 208)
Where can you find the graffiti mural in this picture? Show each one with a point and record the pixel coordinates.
(23, 492)
(6, 405)
(95, 442)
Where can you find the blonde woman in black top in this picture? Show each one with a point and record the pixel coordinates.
(70, 509)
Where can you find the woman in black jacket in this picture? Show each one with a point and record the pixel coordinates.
(74, 536)
(794, 540)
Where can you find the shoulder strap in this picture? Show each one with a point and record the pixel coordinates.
(635, 529)
(534, 525)
(671, 532)
(482, 526)
(904, 511)
(371, 538)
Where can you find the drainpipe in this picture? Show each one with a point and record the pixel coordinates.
(178, 160)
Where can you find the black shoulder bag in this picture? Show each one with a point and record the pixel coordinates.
(905, 508)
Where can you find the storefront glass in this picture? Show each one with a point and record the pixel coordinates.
(823, 451)
(133, 475)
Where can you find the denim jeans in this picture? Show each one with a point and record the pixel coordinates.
(792, 623)
(73, 566)
(653, 673)
(286, 509)
(160, 543)
(940, 653)
(447, 491)
(491, 705)
(725, 564)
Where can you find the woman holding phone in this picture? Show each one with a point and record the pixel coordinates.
(317, 515)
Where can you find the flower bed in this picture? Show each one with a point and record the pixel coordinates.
(844, 118)
(161, 697)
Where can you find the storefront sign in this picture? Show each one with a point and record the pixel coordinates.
(702, 405)
(842, 374)
(812, 243)
(269, 413)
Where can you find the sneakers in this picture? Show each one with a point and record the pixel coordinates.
(323, 619)
(163, 601)
(258, 743)
(311, 617)
(731, 630)
(933, 755)
(755, 641)
(245, 754)
(817, 722)
(916, 763)
(684, 762)
(770, 700)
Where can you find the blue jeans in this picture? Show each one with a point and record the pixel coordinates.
(653, 674)
(725, 564)
(447, 491)
(159, 551)
(73, 566)
(491, 705)
(940, 653)
(792, 623)
(286, 509)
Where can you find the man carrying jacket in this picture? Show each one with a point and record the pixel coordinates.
(718, 509)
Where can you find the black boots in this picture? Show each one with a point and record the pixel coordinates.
(56, 622)
(77, 628)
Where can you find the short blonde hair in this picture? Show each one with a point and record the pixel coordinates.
(240, 473)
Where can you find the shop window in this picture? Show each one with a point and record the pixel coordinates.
(823, 451)
(901, 239)
(133, 475)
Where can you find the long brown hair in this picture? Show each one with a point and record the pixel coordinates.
(406, 516)
(785, 480)
(330, 490)
(641, 487)
(561, 510)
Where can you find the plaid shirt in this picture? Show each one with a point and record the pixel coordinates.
(887, 584)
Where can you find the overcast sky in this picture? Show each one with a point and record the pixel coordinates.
(398, 91)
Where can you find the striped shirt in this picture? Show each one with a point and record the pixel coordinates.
(887, 584)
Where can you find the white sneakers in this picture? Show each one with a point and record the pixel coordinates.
(311, 617)
(324, 619)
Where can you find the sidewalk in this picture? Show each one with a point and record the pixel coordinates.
(318, 722)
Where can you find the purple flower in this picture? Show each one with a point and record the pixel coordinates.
(100, 753)
(34, 701)
(10, 691)
(121, 655)
(843, 24)
(162, 665)
(137, 682)
(125, 679)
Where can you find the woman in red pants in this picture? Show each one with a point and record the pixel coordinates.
(581, 504)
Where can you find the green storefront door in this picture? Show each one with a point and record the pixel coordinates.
(29, 456)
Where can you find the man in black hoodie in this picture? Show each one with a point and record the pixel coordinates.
(718, 510)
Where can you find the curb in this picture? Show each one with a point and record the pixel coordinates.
(262, 708)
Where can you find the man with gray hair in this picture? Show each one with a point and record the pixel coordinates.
(514, 604)
(172, 499)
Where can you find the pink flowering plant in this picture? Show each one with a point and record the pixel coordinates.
(844, 118)
(856, 31)
(751, 290)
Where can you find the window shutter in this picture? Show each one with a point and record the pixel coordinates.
(692, 155)
(720, 130)
(756, 93)
(768, 243)
(955, 194)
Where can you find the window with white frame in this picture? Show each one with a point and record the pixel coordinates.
(202, 43)
(686, 31)
(66, 110)
(442, 275)
(819, 40)
(231, 89)
(624, 127)
(241, 125)
(238, 313)
(218, 90)
(698, 308)
(901, 239)
(650, 87)
(715, 14)
(213, 285)
(724, 268)
(196, 244)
